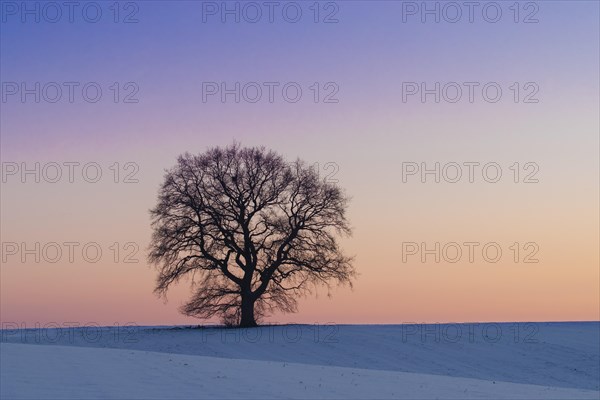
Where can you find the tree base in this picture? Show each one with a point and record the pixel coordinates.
(248, 324)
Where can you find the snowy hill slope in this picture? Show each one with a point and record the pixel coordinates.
(80, 373)
(549, 354)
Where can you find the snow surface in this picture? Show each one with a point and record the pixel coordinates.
(80, 373)
(545, 360)
(548, 354)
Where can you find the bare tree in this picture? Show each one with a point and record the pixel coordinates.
(254, 231)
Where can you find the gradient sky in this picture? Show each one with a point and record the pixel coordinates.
(369, 133)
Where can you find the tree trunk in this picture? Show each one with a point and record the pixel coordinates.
(247, 319)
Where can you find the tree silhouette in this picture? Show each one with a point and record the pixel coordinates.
(253, 231)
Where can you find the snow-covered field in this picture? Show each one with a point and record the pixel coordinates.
(544, 361)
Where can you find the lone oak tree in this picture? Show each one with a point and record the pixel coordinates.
(254, 231)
